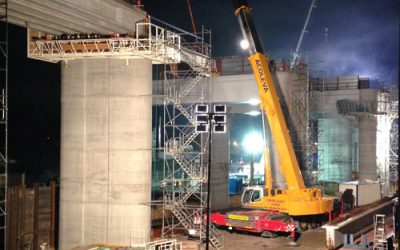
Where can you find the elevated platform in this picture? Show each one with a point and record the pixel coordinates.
(154, 43)
(54, 27)
(150, 41)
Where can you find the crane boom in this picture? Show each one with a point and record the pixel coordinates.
(296, 200)
(296, 56)
(269, 101)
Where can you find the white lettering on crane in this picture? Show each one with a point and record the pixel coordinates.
(262, 75)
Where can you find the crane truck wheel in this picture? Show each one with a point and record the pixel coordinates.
(268, 234)
(303, 226)
(313, 225)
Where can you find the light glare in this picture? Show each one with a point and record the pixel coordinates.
(253, 143)
(254, 102)
(244, 44)
(253, 113)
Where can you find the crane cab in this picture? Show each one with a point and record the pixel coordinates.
(252, 194)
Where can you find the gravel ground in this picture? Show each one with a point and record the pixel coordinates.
(310, 240)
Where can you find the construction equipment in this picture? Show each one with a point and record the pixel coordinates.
(305, 206)
(296, 54)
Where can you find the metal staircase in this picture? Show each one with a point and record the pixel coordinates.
(215, 237)
(193, 171)
(185, 150)
(380, 242)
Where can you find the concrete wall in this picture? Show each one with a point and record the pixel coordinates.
(105, 152)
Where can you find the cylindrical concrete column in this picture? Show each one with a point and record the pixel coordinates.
(105, 152)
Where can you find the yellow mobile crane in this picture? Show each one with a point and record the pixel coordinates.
(305, 205)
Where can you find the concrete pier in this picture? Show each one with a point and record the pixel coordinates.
(105, 152)
(220, 171)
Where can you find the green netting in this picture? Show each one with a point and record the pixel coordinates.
(335, 152)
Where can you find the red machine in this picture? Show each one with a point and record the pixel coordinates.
(265, 222)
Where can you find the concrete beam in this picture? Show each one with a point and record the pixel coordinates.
(74, 16)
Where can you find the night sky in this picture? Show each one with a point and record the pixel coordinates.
(363, 39)
(363, 35)
(34, 113)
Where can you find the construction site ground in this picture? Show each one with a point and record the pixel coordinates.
(310, 240)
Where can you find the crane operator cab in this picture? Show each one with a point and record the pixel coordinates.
(252, 194)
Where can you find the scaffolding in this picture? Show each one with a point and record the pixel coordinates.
(3, 120)
(394, 147)
(186, 150)
(299, 117)
(149, 41)
(317, 112)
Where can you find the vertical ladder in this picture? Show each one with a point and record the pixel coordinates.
(380, 242)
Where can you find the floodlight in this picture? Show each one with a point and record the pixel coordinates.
(202, 128)
(201, 108)
(253, 143)
(219, 118)
(219, 128)
(244, 44)
(220, 108)
(203, 118)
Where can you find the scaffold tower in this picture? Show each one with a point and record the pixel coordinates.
(306, 107)
(394, 147)
(299, 116)
(185, 150)
(3, 120)
(317, 112)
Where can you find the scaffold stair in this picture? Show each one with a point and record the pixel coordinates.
(380, 242)
(193, 82)
(184, 112)
(191, 170)
(216, 237)
(197, 61)
(189, 138)
(185, 219)
(188, 191)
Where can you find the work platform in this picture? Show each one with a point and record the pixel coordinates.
(149, 41)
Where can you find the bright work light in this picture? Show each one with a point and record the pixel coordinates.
(244, 44)
(253, 143)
